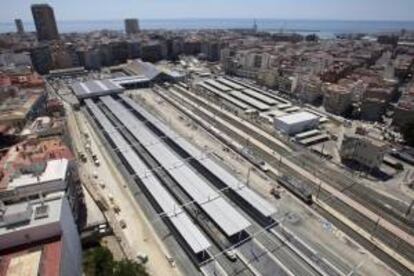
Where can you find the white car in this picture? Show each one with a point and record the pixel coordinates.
(263, 166)
(231, 255)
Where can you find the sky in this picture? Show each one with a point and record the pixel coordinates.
(170, 9)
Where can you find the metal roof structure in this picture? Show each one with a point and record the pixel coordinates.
(95, 88)
(215, 206)
(191, 234)
(226, 97)
(230, 83)
(261, 91)
(259, 96)
(130, 80)
(284, 106)
(307, 134)
(146, 69)
(314, 139)
(256, 201)
(298, 117)
(218, 85)
(292, 109)
(250, 100)
(273, 113)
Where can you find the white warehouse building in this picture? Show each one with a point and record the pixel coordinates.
(292, 124)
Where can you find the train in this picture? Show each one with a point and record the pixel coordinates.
(297, 187)
(249, 155)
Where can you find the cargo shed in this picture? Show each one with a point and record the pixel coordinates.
(292, 124)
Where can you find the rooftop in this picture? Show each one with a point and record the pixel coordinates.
(30, 214)
(55, 170)
(367, 139)
(30, 153)
(129, 79)
(191, 234)
(245, 192)
(42, 258)
(94, 88)
(17, 104)
(297, 117)
(44, 125)
(141, 68)
(338, 89)
(219, 210)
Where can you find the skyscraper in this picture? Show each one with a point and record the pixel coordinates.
(19, 26)
(131, 26)
(45, 22)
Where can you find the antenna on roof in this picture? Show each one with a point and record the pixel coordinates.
(42, 200)
(282, 27)
(254, 25)
(2, 207)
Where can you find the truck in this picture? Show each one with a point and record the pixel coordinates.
(275, 192)
(116, 208)
(122, 223)
(111, 197)
(95, 160)
(83, 157)
(102, 184)
(142, 257)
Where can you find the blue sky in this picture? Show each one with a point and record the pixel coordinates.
(158, 9)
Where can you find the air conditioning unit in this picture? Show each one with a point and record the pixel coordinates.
(41, 211)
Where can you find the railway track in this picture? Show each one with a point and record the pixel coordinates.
(377, 202)
(379, 232)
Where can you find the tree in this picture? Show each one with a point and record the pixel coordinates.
(100, 262)
(129, 268)
(408, 133)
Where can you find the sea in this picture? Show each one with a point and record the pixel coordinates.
(324, 28)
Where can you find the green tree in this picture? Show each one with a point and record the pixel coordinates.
(100, 262)
(129, 268)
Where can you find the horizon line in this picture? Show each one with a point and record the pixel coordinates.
(223, 18)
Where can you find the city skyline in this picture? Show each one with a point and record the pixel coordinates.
(352, 10)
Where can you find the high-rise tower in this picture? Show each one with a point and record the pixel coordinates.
(19, 26)
(131, 26)
(45, 22)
